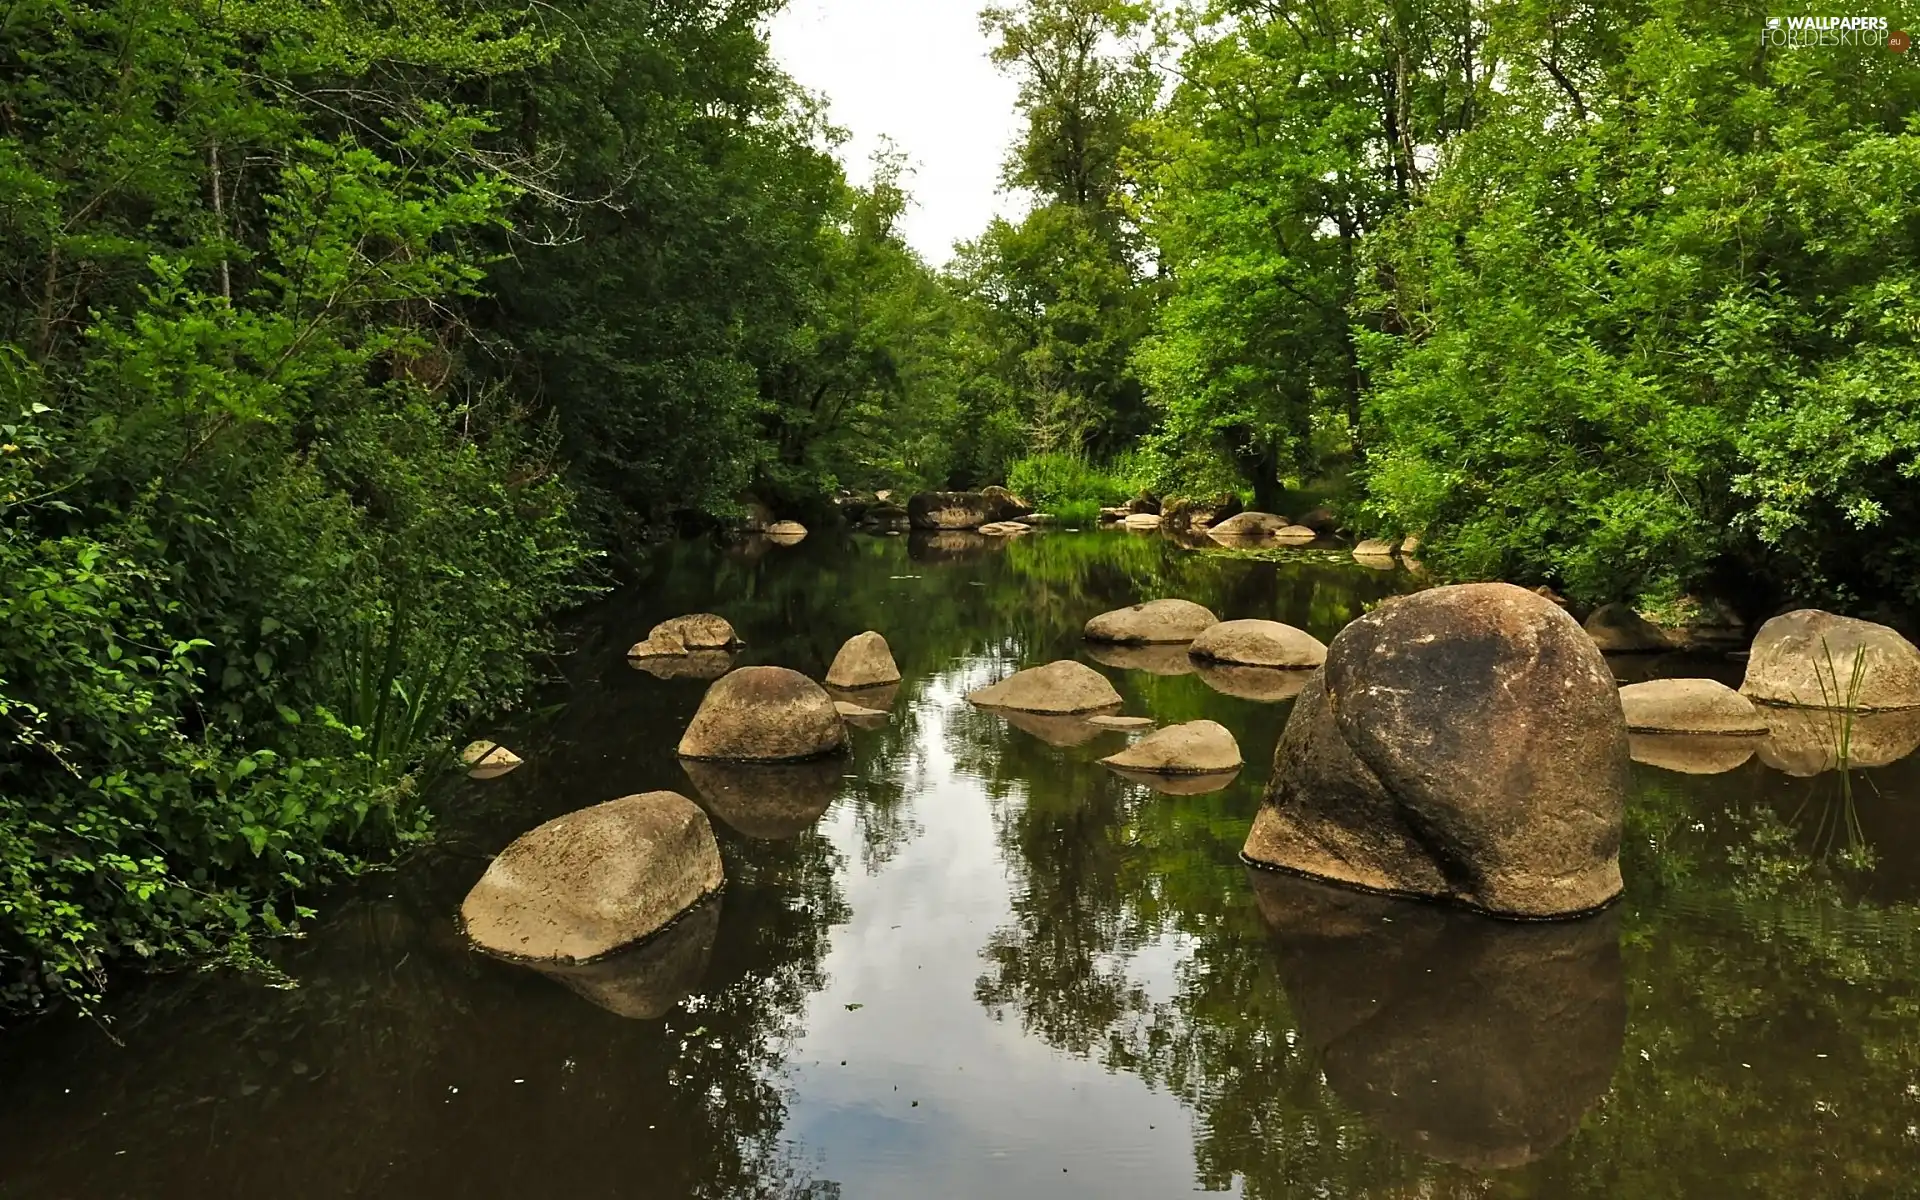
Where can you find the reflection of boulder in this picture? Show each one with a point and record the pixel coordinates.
(772, 802)
(695, 664)
(1469, 1040)
(1805, 741)
(1059, 687)
(646, 982)
(595, 881)
(1264, 684)
(1463, 743)
(1808, 657)
(862, 716)
(1195, 748)
(1691, 753)
(1154, 660)
(883, 697)
(764, 714)
(1155, 623)
(1054, 730)
(1180, 785)
(948, 546)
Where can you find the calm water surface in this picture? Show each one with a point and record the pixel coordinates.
(969, 961)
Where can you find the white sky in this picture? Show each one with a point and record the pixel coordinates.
(917, 71)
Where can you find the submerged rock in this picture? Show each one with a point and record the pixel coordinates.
(1259, 644)
(1265, 685)
(764, 714)
(1248, 526)
(1692, 753)
(864, 661)
(488, 760)
(1158, 622)
(767, 801)
(1469, 1040)
(1617, 629)
(1167, 660)
(595, 881)
(1064, 687)
(1464, 743)
(1804, 742)
(1689, 706)
(1195, 748)
(684, 635)
(1179, 785)
(1807, 659)
(648, 981)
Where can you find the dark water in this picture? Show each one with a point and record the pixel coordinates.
(969, 962)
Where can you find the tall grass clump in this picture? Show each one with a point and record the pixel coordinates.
(1074, 488)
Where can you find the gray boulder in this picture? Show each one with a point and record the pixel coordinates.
(1807, 659)
(764, 714)
(1195, 748)
(1156, 623)
(1248, 526)
(864, 661)
(1059, 688)
(1689, 706)
(1259, 644)
(1464, 743)
(590, 883)
(684, 635)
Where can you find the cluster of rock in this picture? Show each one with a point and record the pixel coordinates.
(966, 510)
(616, 901)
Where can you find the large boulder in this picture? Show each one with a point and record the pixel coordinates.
(1464, 743)
(865, 661)
(1155, 623)
(1375, 548)
(685, 635)
(764, 714)
(1618, 629)
(1689, 706)
(1248, 526)
(1195, 748)
(583, 886)
(1814, 659)
(949, 510)
(1477, 1042)
(1059, 688)
(1259, 644)
(1003, 505)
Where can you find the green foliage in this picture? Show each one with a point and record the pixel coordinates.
(1072, 488)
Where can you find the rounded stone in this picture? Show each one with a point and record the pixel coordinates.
(1464, 743)
(864, 661)
(1295, 535)
(1259, 644)
(488, 760)
(1617, 629)
(1195, 748)
(683, 635)
(1064, 687)
(1374, 548)
(1248, 526)
(1689, 706)
(764, 714)
(1158, 622)
(1143, 521)
(1807, 659)
(593, 882)
(787, 533)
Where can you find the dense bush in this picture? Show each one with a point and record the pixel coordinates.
(1072, 488)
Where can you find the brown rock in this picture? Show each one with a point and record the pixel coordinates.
(1264, 685)
(1295, 535)
(1248, 526)
(1807, 658)
(1689, 706)
(1156, 623)
(1195, 748)
(488, 760)
(1059, 688)
(786, 533)
(1692, 753)
(646, 982)
(1805, 742)
(865, 661)
(683, 635)
(1374, 548)
(1617, 629)
(1168, 660)
(1003, 505)
(1477, 1042)
(585, 885)
(767, 801)
(764, 714)
(1143, 522)
(1464, 743)
(1259, 644)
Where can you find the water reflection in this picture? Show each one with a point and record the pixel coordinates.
(1470, 1040)
(1154, 660)
(772, 802)
(648, 981)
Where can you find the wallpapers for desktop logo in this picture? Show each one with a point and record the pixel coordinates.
(1799, 33)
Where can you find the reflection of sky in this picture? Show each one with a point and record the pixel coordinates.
(1000, 1113)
